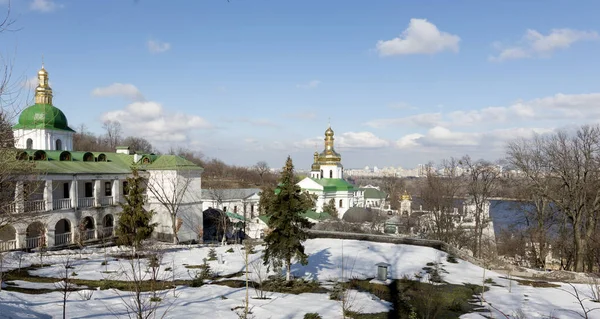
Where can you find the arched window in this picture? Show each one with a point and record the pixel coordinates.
(29, 144)
(331, 174)
(321, 173)
(340, 203)
(58, 145)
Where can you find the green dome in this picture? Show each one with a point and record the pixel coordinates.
(43, 116)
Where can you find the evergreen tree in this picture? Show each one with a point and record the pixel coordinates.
(267, 193)
(134, 224)
(284, 241)
(330, 209)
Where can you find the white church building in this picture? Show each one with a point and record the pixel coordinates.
(77, 194)
(327, 179)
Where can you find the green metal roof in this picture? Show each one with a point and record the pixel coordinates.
(234, 215)
(115, 163)
(171, 162)
(334, 184)
(315, 216)
(43, 116)
(373, 193)
(264, 218)
(307, 214)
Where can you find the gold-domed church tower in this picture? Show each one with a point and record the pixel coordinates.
(42, 126)
(327, 164)
(327, 182)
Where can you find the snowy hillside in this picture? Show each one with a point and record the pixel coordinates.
(326, 255)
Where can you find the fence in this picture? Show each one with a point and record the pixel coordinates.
(33, 242)
(8, 245)
(62, 239)
(63, 203)
(85, 202)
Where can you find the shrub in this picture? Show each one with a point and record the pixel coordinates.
(204, 273)
(452, 259)
(337, 292)
(312, 315)
(212, 254)
(230, 250)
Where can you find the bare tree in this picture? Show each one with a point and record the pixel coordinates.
(66, 285)
(439, 194)
(175, 191)
(564, 169)
(113, 133)
(139, 303)
(138, 144)
(482, 180)
(262, 168)
(392, 185)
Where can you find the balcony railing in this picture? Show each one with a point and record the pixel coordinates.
(106, 201)
(11, 208)
(89, 234)
(105, 232)
(33, 242)
(63, 203)
(85, 202)
(62, 239)
(34, 206)
(8, 245)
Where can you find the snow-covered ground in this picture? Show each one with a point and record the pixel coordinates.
(325, 261)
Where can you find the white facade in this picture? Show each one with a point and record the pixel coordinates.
(332, 171)
(343, 199)
(179, 190)
(43, 139)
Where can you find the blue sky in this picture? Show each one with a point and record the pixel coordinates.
(404, 82)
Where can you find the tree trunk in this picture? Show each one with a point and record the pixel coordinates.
(174, 226)
(288, 275)
(579, 242)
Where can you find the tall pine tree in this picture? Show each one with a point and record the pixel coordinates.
(284, 241)
(134, 225)
(330, 209)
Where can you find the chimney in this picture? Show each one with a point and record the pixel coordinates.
(123, 150)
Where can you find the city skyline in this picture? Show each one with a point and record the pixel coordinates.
(403, 83)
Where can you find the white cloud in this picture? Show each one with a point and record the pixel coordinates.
(535, 44)
(309, 85)
(156, 46)
(559, 107)
(409, 140)
(421, 37)
(441, 139)
(125, 90)
(347, 140)
(425, 119)
(44, 6)
(149, 119)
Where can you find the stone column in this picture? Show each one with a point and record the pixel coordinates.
(48, 198)
(116, 191)
(21, 238)
(73, 193)
(50, 237)
(97, 192)
(19, 197)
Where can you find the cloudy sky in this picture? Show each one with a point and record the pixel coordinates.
(402, 82)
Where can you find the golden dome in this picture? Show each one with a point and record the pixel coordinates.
(405, 196)
(42, 71)
(329, 132)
